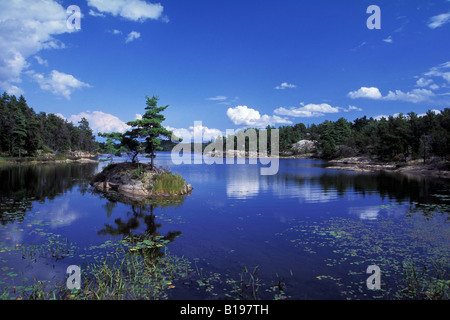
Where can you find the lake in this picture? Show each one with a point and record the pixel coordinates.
(307, 232)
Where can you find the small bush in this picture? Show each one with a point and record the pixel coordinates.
(138, 171)
(400, 158)
(345, 152)
(60, 156)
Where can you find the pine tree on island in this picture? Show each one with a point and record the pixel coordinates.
(140, 181)
(145, 135)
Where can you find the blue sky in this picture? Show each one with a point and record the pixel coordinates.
(229, 64)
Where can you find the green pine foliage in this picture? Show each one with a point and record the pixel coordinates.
(146, 133)
(112, 146)
(395, 138)
(24, 133)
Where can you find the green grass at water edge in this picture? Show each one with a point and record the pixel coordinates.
(124, 275)
(425, 283)
(168, 183)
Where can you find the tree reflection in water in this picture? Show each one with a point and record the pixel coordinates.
(149, 243)
(22, 185)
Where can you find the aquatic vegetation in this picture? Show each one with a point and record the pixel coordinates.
(12, 210)
(122, 247)
(441, 206)
(396, 246)
(130, 276)
(55, 247)
(244, 284)
(168, 183)
(121, 275)
(424, 284)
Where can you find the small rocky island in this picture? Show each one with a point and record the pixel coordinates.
(135, 180)
(139, 181)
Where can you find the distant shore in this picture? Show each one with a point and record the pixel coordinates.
(413, 167)
(71, 157)
(439, 169)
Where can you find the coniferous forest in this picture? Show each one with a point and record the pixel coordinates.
(395, 138)
(23, 132)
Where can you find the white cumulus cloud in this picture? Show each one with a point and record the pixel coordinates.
(307, 111)
(198, 130)
(416, 95)
(41, 61)
(135, 10)
(352, 108)
(422, 82)
(133, 35)
(388, 39)
(431, 86)
(27, 27)
(99, 121)
(95, 14)
(285, 85)
(366, 92)
(439, 20)
(218, 98)
(440, 71)
(245, 116)
(58, 83)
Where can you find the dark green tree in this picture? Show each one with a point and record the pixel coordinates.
(23, 132)
(113, 143)
(146, 133)
(327, 139)
(19, 134)
(86, 138)
(342, 131)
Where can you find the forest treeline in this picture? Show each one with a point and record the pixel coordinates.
(395, 138)
(23, 132)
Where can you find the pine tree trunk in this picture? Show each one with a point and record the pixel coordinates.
(133, 160)
(152, 155)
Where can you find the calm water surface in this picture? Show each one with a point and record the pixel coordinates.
(310, 230)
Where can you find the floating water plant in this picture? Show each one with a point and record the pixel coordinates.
(353, 245)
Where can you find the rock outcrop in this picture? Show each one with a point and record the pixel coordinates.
(304, 146)
(133, 180)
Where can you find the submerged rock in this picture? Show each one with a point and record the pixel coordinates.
(137, 181)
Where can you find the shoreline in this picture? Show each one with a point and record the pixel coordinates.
(361, 164)
(415, 167)
(358, 164)
(83, 158)
(137, 181)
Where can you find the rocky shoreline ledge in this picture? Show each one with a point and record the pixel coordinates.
(439, 169)
(138, 181)
(71, 157)
(434, 168)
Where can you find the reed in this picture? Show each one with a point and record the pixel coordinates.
(131, 277)
(122, 275)
(430, 282)
(168, 183)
